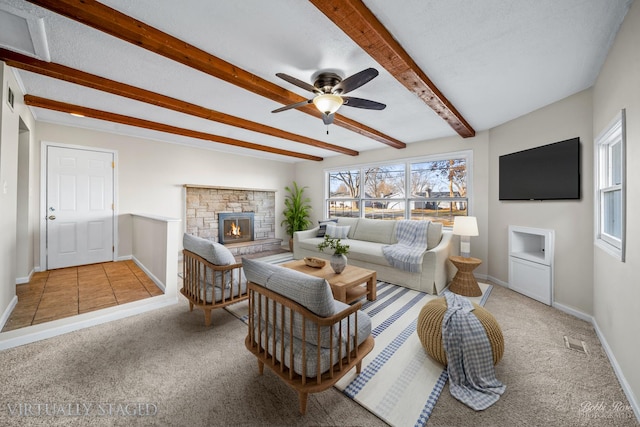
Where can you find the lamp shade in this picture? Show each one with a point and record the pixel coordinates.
(465, 226)
(328, 103)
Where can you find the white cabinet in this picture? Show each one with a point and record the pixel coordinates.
(531, 262)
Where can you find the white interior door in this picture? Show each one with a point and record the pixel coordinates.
(80, 211)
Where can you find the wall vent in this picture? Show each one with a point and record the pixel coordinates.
(10, 97)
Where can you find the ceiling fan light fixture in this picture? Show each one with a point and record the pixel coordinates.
(328, 103)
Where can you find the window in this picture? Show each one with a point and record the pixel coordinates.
(610, 188)
(430, 188)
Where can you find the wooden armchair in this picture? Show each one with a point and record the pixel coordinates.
(296, 329)
(211, 277)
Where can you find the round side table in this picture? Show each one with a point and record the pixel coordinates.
(464, 282)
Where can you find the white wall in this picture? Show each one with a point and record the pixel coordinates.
(151, 174)
(311, 174)
(9, 143)
(617, 284)
(571, 220)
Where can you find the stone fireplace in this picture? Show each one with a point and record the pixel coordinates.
(211, 211)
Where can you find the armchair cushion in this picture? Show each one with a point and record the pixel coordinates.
(216, 254)
(312, 293)
(213, 252)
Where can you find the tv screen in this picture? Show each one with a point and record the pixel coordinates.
(549, 172)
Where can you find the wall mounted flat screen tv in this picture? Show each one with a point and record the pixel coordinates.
(549, 172)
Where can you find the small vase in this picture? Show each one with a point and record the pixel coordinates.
(338, 262)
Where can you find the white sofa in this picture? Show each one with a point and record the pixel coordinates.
(366, 238)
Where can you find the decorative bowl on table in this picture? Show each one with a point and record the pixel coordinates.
(314, 262)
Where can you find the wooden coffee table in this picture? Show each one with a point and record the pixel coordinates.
(348, 286)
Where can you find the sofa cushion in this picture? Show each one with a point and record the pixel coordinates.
(352, 222)
(311, 244)
(338, 231)
(376, 230)
(434, 234)
(369, 252)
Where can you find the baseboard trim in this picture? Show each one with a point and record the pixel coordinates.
(498, 281)
(23, 280)
(54, 328)
(8, 311)
(572, 311)
(150, 274)
(633, 401)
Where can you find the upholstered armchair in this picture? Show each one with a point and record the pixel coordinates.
(211, 276)
(299, 331)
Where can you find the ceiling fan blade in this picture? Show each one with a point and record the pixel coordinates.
(327, 119)
(355, 81)
(350, 101)
(296, 105)
(299, 83)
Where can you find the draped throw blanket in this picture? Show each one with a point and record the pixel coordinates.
(472, 377)
(412, 243)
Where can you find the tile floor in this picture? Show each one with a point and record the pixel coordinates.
(65, 292)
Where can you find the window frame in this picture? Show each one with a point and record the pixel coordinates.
(408, 198)
(614, 133)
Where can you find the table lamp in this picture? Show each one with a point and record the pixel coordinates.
(465, 227)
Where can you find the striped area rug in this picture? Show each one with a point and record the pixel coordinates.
(398, 382)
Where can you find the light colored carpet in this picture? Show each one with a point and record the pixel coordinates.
(398, 383)
(201, 376)
(547, 384)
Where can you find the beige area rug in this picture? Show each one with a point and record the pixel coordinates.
(399, 382)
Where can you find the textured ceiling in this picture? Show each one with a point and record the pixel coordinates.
(494, 60)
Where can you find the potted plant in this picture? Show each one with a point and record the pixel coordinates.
(296, 211)
(338, 260)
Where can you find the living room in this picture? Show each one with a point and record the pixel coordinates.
(589, 282)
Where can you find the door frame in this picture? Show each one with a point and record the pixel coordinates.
(44, 145)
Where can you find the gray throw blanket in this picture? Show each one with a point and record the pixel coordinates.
(412, 243)
(472, 377)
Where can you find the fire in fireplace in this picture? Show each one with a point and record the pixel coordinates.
(235, 227)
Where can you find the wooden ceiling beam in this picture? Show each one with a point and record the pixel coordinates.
(359, 23)
(71, 75)
(129, 29)
(36, 101)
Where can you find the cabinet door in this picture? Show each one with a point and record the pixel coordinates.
(530, 279)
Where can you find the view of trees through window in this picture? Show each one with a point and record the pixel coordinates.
(432, 189)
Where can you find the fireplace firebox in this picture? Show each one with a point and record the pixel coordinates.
(235, 227)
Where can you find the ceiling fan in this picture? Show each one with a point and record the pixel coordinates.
(330, 89)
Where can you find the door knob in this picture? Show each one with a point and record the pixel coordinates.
(52, 217)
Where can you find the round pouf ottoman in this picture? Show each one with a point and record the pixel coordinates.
(429, 329)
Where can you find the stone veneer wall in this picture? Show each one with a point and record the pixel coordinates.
(204, 204)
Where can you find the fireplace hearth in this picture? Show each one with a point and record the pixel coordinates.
(235, 227)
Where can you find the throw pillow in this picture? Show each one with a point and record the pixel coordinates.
(322, 226)
(338, 231)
